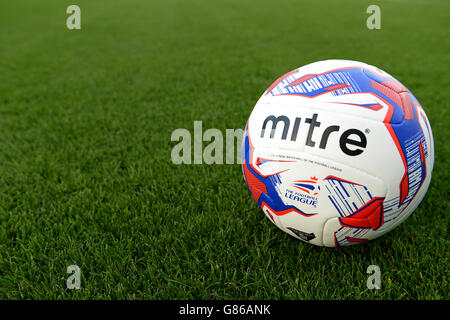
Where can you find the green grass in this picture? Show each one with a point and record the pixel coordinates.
(85, 171)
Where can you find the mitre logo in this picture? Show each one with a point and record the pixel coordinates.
(348, 140)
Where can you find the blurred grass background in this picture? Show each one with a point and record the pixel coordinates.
(85, 172)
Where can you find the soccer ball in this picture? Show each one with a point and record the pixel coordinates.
(337, 152)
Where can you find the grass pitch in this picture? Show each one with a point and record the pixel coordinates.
(85, 172)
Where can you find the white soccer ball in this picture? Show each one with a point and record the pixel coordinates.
(337, 152)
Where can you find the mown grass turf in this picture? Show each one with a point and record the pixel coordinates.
(85, 172)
